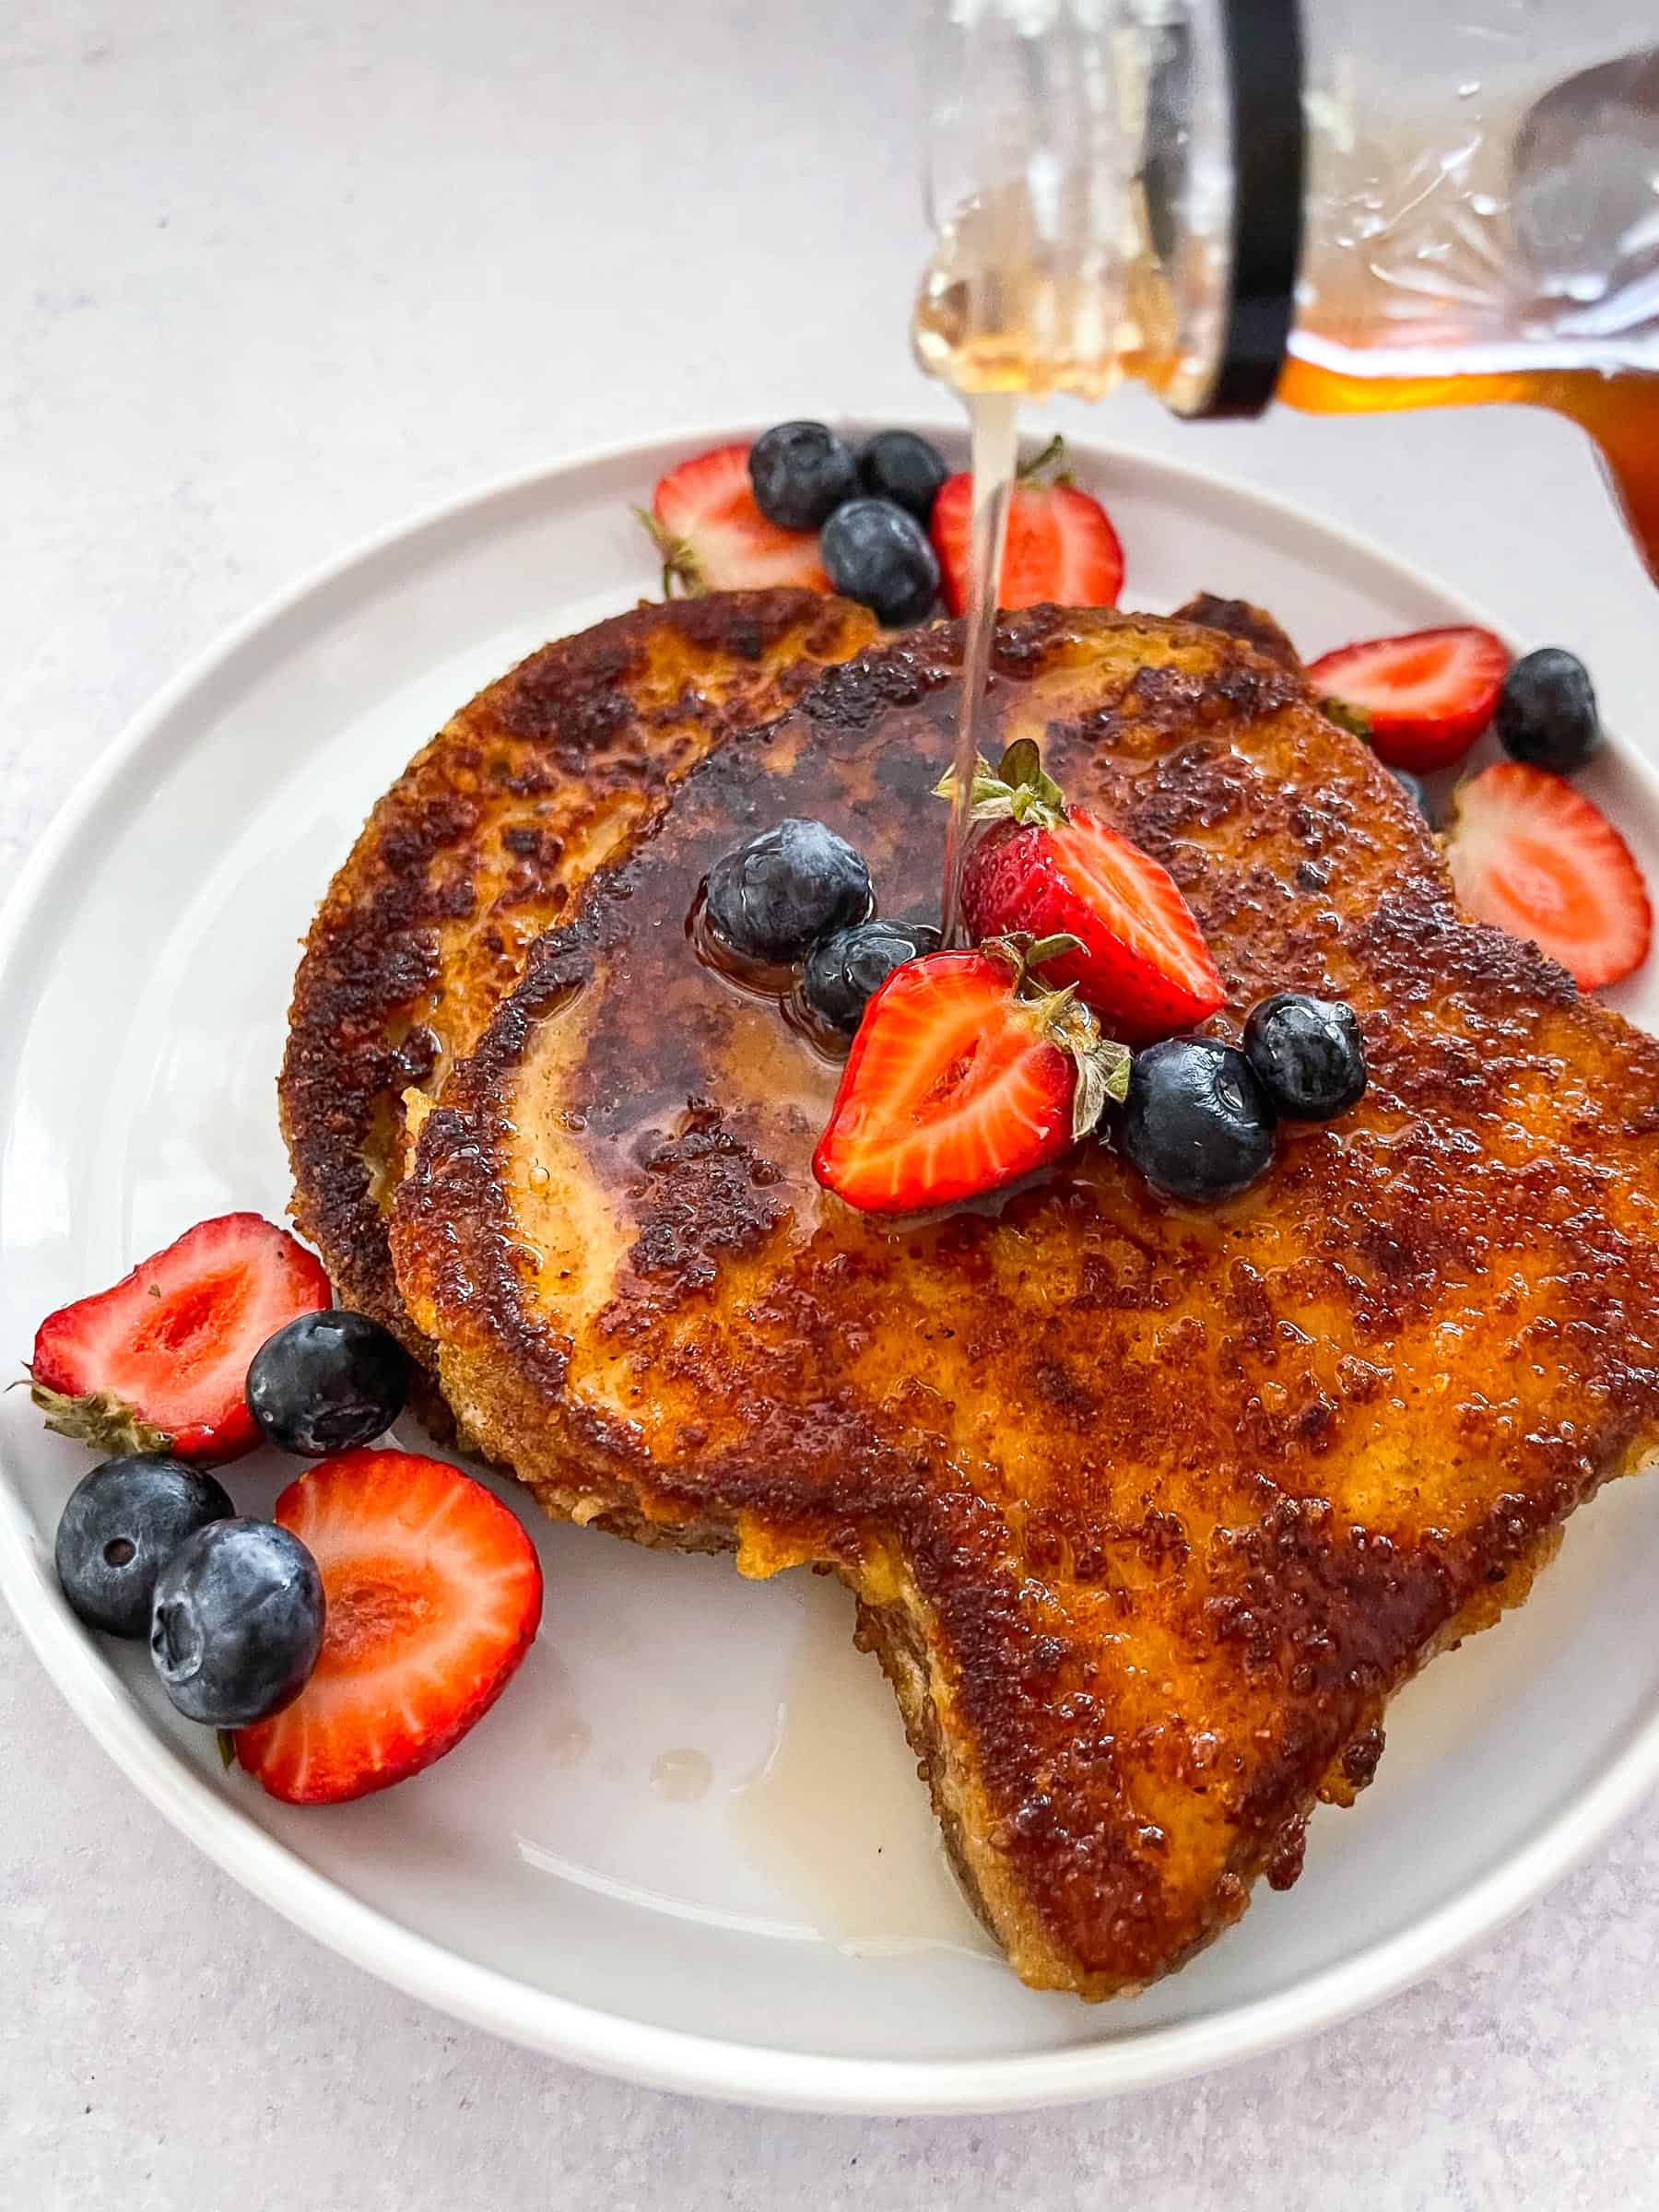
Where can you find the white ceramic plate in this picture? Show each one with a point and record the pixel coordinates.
(689, 1846)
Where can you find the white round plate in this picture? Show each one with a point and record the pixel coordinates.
(689, 1846)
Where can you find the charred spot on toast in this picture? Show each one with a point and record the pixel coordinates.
(1239, 618)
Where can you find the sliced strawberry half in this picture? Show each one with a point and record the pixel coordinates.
(1422, 700)
(1532, 854)
(1061, 544)
(960, 1080)
(712, 538)
(434, 1595)
(1040, 866)
(159, 1361)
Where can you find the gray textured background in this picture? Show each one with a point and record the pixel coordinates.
(271, 278)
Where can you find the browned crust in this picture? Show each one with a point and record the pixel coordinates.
(1239, 618)
(1152, 1508)
(893, 1632)
(480, 846)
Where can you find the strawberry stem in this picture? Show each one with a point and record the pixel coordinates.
(1023, 952)
(1017, 790)
(1051, 948)
(1048, 469)
(100, 1420)
(1102, 1063)
(1102, 1074)
(1355, 720)
(680, 562)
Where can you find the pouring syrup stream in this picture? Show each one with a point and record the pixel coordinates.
(993, 427)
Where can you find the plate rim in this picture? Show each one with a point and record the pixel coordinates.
(584, 2034)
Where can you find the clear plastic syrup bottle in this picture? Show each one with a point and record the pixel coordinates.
(1350, 205)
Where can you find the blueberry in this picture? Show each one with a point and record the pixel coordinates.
(899, 466)
(773, 899)
(878, 555)
(327, 1382)
(1308, 1055)
(844, 973)
(801, 473)
(1196, 1122)
(121, 1526)
(237, 1622)
(1547, 712)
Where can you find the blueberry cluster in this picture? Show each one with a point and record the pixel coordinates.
(799, 895)
(872, 507)
(150, 1544)
(1201, 1117)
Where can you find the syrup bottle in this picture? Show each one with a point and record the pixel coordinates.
(1346, 205)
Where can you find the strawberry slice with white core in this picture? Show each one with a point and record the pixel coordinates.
(1535, 856)
(712, 538)
(159, 1362)
(1061, 544)
(1423, 698)
(434, 1595)
(960, 1080)
(1136, 954)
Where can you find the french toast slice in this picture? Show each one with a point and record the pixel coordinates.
(480, 846)
(1148, 1507)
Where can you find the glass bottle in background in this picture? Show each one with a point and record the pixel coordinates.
(1350, 206)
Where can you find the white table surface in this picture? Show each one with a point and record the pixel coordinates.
(272, 277)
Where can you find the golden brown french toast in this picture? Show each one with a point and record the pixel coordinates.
(479, 847)
(1148, 1507)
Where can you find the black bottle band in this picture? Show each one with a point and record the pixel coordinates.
(1264, 85)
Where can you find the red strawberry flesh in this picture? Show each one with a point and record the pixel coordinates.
(159, 1360)
(1141, 960)
(1061, 544)
(951, 1089)
(713, 537)
(1537, 858)
(1425, 696)
(434, 1595)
